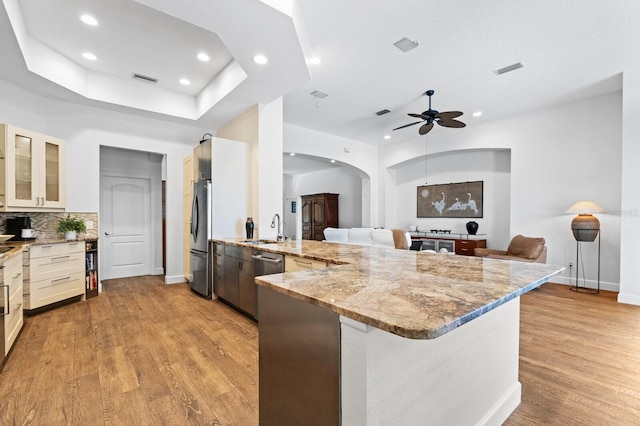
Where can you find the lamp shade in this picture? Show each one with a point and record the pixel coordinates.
(585, 226)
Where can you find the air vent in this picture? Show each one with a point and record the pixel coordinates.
(318, 94)
(509, 68)
(383, 112)
(145, 78)
(405, 44)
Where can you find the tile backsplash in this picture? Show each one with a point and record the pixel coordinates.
(45, 223)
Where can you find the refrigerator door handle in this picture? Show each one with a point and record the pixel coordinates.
(195, 217)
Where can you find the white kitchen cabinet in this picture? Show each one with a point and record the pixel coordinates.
(32, 171)
(295, 263)
(55, 272)
(12, 287)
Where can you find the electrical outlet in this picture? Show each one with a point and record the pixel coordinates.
(88, 224)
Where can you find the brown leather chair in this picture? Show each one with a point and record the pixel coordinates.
(521, 248)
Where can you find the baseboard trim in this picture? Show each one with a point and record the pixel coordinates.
(174, 279)
(604, 285)
(629, 299)
(504, 407)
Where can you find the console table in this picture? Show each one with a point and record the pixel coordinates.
(462, 244)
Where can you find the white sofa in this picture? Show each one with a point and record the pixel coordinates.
(363, 236)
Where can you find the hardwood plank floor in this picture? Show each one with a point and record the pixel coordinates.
(146, 353)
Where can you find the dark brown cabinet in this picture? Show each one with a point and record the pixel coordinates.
(319, 211)
(238, 286)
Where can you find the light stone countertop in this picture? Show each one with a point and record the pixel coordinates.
(412, 294)
(21, 246)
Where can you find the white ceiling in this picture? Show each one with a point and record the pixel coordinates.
(571, 49)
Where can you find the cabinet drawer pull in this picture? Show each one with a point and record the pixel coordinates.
(60, 257)
(17, 274)
(303, 262)
(60, 279)
(44, 247)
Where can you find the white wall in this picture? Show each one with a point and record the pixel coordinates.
(336, 180)
(363, 157)
(558, 156)
(491, 167)
(85, 129)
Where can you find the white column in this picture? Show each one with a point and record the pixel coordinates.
(630, 205)
(269, 167)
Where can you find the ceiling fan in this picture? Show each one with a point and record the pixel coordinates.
(430, 116)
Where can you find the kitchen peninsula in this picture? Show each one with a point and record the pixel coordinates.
(386, 336)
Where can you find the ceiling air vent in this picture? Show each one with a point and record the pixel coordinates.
(509, 68)
(145, 78)
(383, 112)
(405, 44)
(318, 94)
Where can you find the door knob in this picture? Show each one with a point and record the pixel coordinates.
(107, 233)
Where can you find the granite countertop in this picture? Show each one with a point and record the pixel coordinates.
(20, 246)
(412, 294)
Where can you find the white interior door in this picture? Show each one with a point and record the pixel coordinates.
(125, 226)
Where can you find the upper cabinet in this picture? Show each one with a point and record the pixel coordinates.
(31, 171)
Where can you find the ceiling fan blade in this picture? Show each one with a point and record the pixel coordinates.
(448, 115)
(426, 128)
(426, 117)
(451, 123)
(407, 125)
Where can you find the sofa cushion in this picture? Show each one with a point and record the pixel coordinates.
(382, 237)
(526, 247)
(339, 235)
(360, 236)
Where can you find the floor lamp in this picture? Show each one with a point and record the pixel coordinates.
(585, 227)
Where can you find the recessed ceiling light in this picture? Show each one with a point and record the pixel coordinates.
(293, 154)
(184, 82)
(260, 59)
(203, 57)
(314, 60)
(89, 20)
(477, 113)
(89, 56)
(387, 137)
(333, 161)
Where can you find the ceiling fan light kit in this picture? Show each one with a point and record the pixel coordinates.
(431, 116)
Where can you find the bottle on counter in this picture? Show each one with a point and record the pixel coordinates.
(249, 227)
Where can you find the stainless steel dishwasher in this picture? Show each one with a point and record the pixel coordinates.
(265, 263)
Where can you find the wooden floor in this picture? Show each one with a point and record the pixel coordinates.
(147, 353)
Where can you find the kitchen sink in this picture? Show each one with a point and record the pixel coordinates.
(260, 241)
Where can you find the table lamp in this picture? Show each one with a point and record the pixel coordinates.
(585, 226)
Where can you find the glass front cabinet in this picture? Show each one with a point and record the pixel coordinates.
(31, 171)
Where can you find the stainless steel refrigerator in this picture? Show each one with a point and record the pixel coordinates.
(201, 221)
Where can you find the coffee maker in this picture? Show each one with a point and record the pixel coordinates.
(15, 225)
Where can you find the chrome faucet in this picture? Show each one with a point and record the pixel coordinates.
(273, 225)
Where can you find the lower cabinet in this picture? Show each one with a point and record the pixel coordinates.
(459, 246)
(238, 286)
(54, 272)
(11, 308)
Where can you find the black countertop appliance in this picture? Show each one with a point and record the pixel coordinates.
(15, 225)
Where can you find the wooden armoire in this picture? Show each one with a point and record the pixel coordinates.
(319, 211)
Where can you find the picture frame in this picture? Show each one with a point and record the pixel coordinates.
(463, 200)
